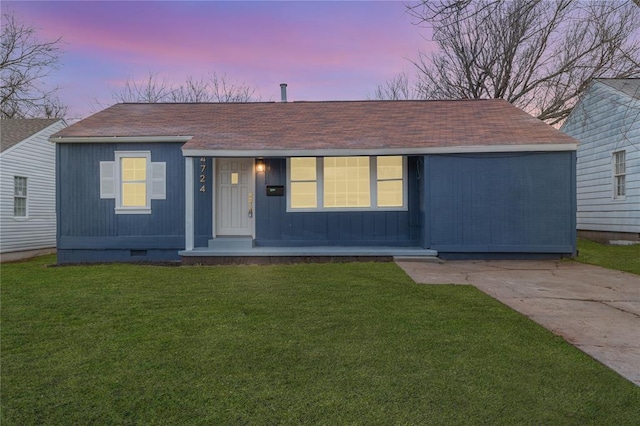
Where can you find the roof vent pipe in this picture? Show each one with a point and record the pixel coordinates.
(283, 92)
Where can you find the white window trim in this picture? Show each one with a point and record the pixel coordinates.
(316, 180)
(374, 166)
(111, 181)
(373, 188)
(26, 198)
(120, 209)
(616, 175)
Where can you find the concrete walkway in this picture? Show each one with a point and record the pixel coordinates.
(595, 309)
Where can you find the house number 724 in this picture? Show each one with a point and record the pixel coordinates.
(203, 176)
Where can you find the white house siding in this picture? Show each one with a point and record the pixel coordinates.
(606, 121)
(33, 158)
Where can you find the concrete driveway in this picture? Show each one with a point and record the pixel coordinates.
(595, 309)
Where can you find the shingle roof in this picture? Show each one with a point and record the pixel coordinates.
(324, 125)
(628, 86)
(15, 130)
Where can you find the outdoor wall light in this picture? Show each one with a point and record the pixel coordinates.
(259, 165)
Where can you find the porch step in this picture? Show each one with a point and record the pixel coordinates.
(424, 259)
(231, 243)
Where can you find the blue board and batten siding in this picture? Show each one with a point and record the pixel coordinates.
(88, 228)
(501, 203)
(203, 200)
(516, 203)
(276, 227)
(471, 204)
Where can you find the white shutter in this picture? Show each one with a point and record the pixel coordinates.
(158, 181)
(107, 179)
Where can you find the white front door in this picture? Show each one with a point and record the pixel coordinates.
(234, 203)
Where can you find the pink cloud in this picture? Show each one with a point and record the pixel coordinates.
(316, 46)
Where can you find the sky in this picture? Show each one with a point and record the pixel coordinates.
(332, 50)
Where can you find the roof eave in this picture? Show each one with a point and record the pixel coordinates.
(119, 139)
(206, 152)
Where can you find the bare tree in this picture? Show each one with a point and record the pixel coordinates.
(625, 109)
(214, 88)
(151, 90)
(225, 90)
(24, 62)
(537, 54)
(193, 90)
(397, 88)
(429, 11)
(630, 120)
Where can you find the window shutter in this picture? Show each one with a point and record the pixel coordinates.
(158, 181)
(107, 179)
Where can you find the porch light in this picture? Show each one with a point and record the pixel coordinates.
(259, 165)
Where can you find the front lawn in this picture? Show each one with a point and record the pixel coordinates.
(297, 344)
(623, 258)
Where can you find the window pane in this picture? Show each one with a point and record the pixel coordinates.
(619, 170)
(134, 169)
(20, 207)
(19, 196)
(346, 182)
(303, 168)
(620, 162)
(20, 186)
(620, 186)
(389, 167)
(134, 194)
(390, 193)
(303, 195)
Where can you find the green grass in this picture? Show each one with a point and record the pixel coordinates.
(297, 344)
(623, 258)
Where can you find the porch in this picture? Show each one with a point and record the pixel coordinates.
(228, 250)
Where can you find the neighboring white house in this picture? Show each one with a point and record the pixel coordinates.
(606, 121)
(28, 187)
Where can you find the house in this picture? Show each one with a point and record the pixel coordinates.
(606, 121)
(205, 182)
(27, 200)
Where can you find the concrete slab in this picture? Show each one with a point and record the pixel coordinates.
(595, 309)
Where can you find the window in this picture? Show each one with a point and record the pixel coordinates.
(133, 181)
(19, 196)
(390, 181)
(619, 174)
(347, 183)
(303, 177)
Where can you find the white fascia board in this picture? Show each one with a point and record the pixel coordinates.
(120, 139)
(384, 151)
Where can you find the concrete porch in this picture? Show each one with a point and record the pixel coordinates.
(230, 250)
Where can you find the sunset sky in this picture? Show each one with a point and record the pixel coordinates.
(323, 50)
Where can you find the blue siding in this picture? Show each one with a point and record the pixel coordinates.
(469, 205)
(423, 191)
(202, 202)
(85, 222)
(501, 203)
(276, 227)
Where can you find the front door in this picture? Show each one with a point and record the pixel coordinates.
(234, 203)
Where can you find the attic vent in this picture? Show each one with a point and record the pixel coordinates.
(283, 92)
